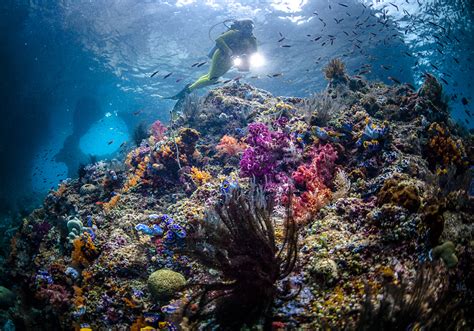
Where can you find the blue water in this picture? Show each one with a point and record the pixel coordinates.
(80, 70)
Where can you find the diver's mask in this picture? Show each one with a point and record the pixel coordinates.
(245, 26)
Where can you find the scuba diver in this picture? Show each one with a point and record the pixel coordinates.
(232, 47)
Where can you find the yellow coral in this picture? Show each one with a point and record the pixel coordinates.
(200, 176)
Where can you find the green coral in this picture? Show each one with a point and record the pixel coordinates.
(164, 283)
(447, 252)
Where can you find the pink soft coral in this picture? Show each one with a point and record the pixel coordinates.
(158, 130)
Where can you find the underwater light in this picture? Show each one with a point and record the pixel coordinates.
(237, 61)
(257, 60)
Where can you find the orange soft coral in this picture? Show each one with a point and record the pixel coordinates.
(200, 176)
(442, 150)
(84, 251)
(112, 203)
(230, 146)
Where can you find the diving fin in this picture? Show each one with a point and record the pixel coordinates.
(181, 95)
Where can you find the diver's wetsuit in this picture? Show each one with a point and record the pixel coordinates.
(230, 43)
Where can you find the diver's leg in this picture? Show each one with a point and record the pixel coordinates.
(219, 66)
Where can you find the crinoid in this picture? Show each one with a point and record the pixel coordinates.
(238, 240)
(335, 71)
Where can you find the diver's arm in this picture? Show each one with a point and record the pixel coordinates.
(253, 45)
(221, 42)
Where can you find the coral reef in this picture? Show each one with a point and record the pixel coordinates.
(362, 182)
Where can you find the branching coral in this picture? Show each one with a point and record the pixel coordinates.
(238, 240)
(230, 146)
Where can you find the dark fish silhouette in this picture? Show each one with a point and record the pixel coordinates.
(167, 75)
(393, 79)
(153, 74)
(286, 46)
(464, 101)
(110, 142)
(201, 64)
(281, 39)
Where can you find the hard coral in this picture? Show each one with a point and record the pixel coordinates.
(164, 283)
(400, 190)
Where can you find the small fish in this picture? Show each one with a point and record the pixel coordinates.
(455, 60)
(281, 34)
(110, 142)
(464, 101)
(385, 67)
(286, 46)
(277, 75)
(431, 64)
(201, 64)
(226, 81)
(444, 80)
(153, 74)
(338, 21)
(195, 64)
(123, 144)
(281, 39)
(137, 112)
(317, 38)
(393, 79)
(167, 75)
(394, 5)
(343, 5)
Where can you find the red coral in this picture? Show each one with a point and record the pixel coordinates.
(313, 179)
